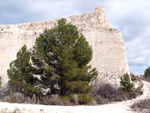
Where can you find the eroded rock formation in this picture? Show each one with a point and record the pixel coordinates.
(109, 53)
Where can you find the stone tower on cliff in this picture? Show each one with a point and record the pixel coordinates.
(109, 53)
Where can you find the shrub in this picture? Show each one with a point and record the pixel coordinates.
(17, 97)
(105, 93)
(100, 100)
(134, 77)
(142, 104)
(85, 98)
(20, 98)
(147, 72)
(66, 100)
(74, 99)
(12, 97)
(126, 84)
(14, 111)
(52, 100)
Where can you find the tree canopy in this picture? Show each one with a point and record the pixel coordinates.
(61, 56)
(147, 72)
(60, 59)
(126, 84)
(19, 73)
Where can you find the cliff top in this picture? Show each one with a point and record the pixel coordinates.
(88, 20)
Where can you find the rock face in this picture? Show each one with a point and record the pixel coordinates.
(109, 53)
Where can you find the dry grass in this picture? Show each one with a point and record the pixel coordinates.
(142, 106)
(106, 93)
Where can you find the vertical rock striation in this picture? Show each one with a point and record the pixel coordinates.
(109, 53)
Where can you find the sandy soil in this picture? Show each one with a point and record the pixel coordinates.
(119, 107)
(28, 108)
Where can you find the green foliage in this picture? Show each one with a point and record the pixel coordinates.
(60, 56)
(85, 98)
(126, 84)
(147, 72)
(19, 72)
(15, 111)
(12, 97)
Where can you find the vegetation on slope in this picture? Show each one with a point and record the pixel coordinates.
(126, 84)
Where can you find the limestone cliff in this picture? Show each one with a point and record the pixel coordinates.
(109, 53)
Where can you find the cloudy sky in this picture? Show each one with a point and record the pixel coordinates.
(130, 17)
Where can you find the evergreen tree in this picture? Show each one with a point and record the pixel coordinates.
(19, 73)
(126, 84)
(61, 56)
(147, 72)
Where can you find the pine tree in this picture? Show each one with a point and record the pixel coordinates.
(126, 84)
(147, 72)
(19, 73)
(61, 56)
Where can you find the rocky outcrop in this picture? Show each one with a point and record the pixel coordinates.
(109, 53)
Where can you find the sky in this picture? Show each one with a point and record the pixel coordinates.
(130, 17)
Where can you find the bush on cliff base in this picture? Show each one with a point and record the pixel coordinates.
(126, 84)
(147, 72)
